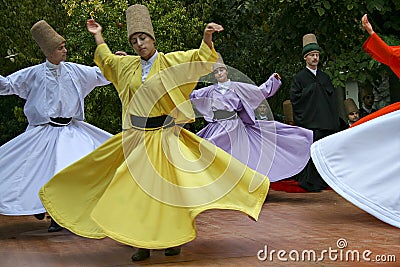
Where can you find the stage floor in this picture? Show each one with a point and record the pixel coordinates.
(290, 225)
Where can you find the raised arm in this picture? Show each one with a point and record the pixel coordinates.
(208, 32)
(366, 25)
(95, 29)
(20, 82)
(271, 86)
(379, 50)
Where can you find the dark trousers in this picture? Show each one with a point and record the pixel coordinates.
(309, 177)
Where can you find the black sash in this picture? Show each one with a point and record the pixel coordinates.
(60, 122)
(150, 123)
(224, 114)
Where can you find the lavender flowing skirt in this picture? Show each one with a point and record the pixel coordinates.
(269, 147)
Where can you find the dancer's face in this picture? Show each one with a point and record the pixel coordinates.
(143, 45)
(221, 74)
(58, 55)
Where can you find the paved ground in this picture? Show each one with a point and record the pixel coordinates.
(294, 223)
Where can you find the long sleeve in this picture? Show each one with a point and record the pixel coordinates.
(18, 83)
(88, 77)
(186, 67)
(270, 87)
(252, 95)
(295, 90)
(111, 65)
(380, 51)
(203, 102)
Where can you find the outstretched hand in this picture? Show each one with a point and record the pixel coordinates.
(277, 76)
(93, 27)
(366, 25)
(213, 27)
(209, 30)
(121, 53)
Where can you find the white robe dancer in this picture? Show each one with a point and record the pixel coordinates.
(29, 160)
(362, 164)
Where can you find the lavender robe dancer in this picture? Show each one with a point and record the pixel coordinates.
(272, 148)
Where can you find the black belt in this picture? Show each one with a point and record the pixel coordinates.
(224, 114)
(152, 123)
(59, 122)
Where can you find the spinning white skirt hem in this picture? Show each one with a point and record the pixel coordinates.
(35, 156)
(362, 164)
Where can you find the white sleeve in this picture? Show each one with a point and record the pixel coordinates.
(18, 83)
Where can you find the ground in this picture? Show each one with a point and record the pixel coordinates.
(292, 223)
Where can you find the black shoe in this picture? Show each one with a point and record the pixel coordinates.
(141, 254)
(172, 251)
(54, 227)
(39, 216)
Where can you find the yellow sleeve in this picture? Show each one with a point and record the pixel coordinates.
(108, 63)
(207, 54)
(183, 69)
(203, 54)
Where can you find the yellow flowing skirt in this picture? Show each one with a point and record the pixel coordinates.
(145, 188)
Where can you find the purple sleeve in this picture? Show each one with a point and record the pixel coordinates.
(202, 102)
(270, 87)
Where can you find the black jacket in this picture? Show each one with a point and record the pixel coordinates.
(314, 101)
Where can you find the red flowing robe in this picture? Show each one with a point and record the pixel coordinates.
(380, 51)
(388, 55)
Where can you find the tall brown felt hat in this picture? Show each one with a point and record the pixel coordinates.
(350, 106)
(310, 44)
(46, 37)
(288, 111)
(219, 63)
(138, 20)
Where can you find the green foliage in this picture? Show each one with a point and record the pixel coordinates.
(260, 37)
(102, 105)
(174, 30)
(18, 50)
(268, 37)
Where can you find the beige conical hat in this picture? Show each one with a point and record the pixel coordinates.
(138, 20)
(309, 38)
(219, 63)
(310, 44)
(350, 106)
(46, 37)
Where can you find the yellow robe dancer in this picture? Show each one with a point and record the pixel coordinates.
(145, 186)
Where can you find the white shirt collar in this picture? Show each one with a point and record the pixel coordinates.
(54, 69)
(150, 61)
(223, 87)
(147, 64)
(52, 66)
(313, 71)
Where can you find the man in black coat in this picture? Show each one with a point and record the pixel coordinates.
(315, 107)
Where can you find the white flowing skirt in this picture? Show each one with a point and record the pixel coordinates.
(362, 164)
(29, 161)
